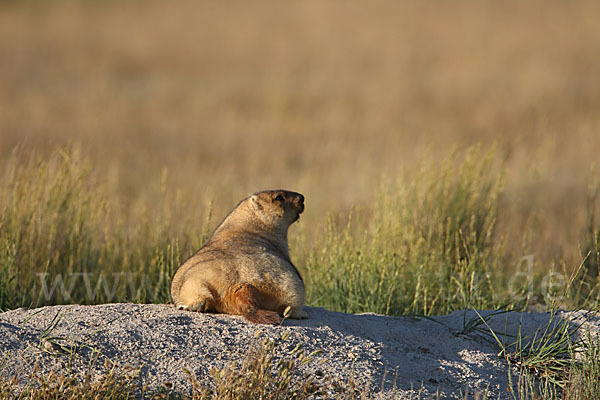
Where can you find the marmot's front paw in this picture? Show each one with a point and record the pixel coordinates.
(299, 314)
(201, 306)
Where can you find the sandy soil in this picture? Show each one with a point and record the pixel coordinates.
(386, 355)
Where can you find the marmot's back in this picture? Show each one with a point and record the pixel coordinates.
(245, 267)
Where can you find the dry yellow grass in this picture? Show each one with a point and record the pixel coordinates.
(212, 100)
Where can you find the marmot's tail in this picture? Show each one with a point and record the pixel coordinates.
(244, 300)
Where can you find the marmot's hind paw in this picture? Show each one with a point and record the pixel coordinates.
(264, 317)
(244, 300)
(300, 315)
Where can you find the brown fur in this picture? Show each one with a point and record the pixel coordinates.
(245, 267)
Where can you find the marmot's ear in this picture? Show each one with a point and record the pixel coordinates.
(255, 202)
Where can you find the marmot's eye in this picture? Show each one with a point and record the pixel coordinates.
(279, 198)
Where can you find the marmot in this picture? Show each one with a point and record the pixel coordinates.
(245, 267)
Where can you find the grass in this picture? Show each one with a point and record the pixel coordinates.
(548, 354)
(432, 247)
(559, 361)
(111, 386)
(429, 245)
(584, 377)
(60, 245)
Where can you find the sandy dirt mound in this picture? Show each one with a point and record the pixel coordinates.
(388, 355)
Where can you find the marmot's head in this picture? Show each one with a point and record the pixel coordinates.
(277, 208)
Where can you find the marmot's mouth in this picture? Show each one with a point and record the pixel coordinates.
(299, 207)
(299, 211)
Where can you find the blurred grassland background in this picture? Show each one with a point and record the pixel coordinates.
(437, 144)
